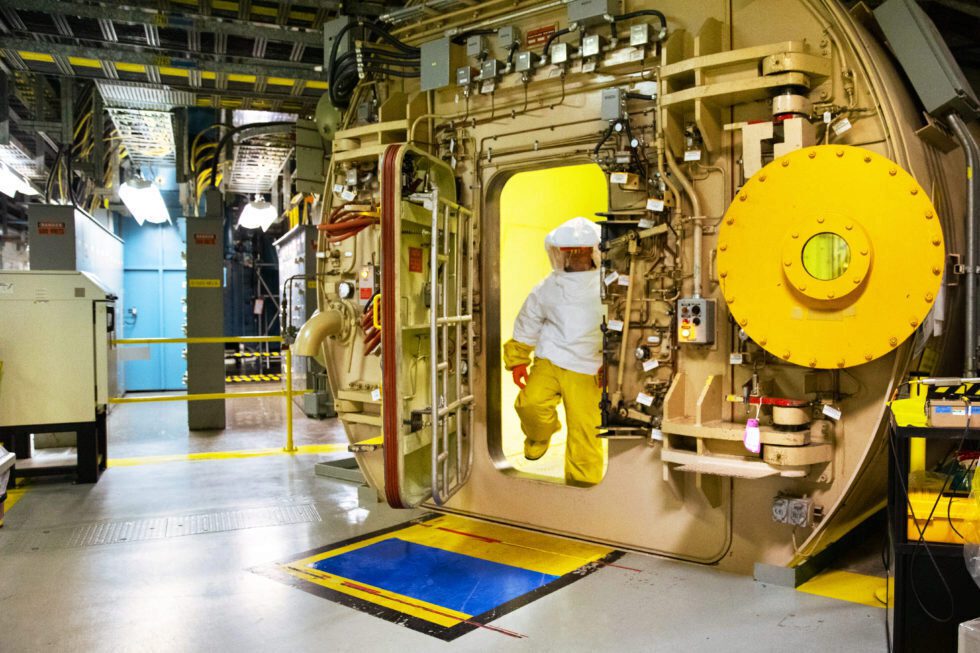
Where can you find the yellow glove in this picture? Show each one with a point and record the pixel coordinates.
(516, 353)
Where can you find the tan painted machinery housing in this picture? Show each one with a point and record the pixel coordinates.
(750, 128)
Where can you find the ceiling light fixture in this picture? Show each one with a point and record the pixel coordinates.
(258, 214)
(11, 183)
(144, 201)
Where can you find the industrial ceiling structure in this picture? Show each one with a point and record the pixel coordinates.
(148, 57)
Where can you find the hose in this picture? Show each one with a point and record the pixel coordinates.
(645, 12)
(556, 35)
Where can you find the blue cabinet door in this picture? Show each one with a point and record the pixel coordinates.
(141, 319)
(173, 319)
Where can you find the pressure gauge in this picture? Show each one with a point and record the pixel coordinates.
(345, 289)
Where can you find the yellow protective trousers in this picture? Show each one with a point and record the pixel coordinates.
(537, 404)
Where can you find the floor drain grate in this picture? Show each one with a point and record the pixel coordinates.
(156, 528)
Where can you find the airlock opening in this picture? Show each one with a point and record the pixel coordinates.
(531, 204)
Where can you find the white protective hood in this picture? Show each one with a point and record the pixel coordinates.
(562, 315)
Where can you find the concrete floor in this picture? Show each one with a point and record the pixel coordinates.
(70, 582)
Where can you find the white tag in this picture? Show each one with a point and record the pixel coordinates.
(348, 254)
(650, 365)
(645, 223)
(831, 412)
(841, 126)
(735, 359)
(611, 278)
(644, 399)
(338, 188)
(623, 281)
(692, 155)
(654, 204)
(376, 395)
(487, 87)
(653, 340)
(589, 66)
(618, 178)
(554, 72)
(615, 325)
(827, 117)
(636, 55)
(348, 195)
(657, 435)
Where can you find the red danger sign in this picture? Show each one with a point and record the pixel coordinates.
(540, 35)
(51, 228)
(366, 294)
(414, 259)
(206, 239)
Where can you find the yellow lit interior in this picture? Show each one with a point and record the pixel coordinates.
(532, 204)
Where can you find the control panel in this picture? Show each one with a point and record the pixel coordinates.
(695, 321)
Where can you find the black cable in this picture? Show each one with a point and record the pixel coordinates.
(949, 505)
(512, 52)
(886, 562)
(551, 39)
(646, 12)
(921, 531)
(227, 136)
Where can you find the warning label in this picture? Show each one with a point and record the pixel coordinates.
(539, 36)
(414, 259)
(206, 239)
(51, 228)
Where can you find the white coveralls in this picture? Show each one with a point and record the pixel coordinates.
(560, 322)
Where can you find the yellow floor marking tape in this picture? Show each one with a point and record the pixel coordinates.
(13, 496)
(851, 587)
(306, 449)
(436, 614)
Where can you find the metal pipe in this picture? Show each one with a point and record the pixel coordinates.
(696, 217)
(434, 346)
(972, 153)
(290, 446)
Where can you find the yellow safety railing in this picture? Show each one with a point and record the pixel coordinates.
(287, 393)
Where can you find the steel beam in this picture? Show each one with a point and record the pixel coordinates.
(116, 52)
(153, 16)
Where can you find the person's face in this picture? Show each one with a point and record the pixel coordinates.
(578, 259)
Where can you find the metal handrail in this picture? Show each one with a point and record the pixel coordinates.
(287, 393)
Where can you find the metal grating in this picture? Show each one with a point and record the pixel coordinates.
(256, 168)
(17, 159)
(135, 96)
(156, 528)
(147, 135)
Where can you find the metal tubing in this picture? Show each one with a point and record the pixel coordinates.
(696, 216)
(290, 446)
(434, 345)
(626, 327)
(198, 397)
(210, 340)
(972, 153)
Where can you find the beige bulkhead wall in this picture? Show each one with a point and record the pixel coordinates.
(634, 507)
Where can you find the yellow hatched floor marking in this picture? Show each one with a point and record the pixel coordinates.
(851, 587)
(13, 496)
(306, 449)
(445, 617)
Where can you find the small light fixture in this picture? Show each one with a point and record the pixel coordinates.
(258, 214)
(12, 183)
(144, 201)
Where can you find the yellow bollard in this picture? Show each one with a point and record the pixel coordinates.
(290, 446)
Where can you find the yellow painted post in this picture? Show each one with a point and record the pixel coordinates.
(290, 446)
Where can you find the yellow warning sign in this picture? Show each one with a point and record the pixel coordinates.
(311, 284)
(204, 283)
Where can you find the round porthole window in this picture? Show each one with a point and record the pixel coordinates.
(826, 256)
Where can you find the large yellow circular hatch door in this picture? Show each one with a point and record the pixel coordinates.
(830, 256)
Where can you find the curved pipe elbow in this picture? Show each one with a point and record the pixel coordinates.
(319, 327)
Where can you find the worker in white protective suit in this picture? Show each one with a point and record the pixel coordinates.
(560, 323)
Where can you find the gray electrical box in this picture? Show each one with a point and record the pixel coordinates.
(507, 37)
(464, 76)
(695, 321)
(526, 61)
(611, 105)
(310, 158)
(297, 267)
(330, 31)
(926, 60)
(206, 314)
(440, 60)
(591, 12)
(475, 46)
